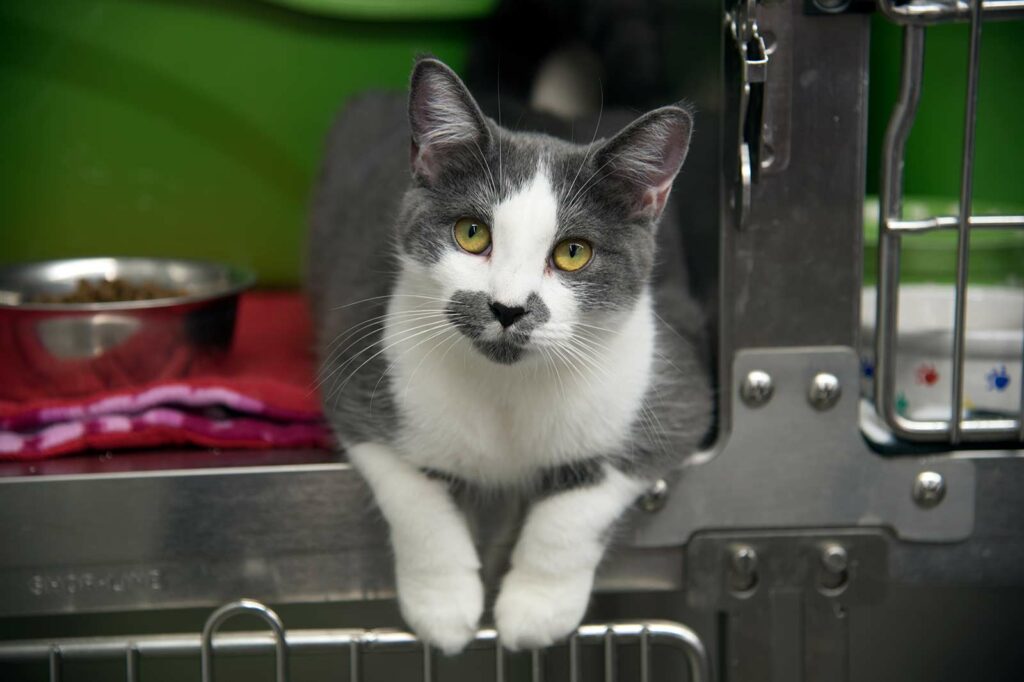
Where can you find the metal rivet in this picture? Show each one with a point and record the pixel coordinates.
(834, 558)
(834, 562)
(654, 499)
(743, 573)
(757, 388)
(831, 6)
(824, 391)
(929, 489)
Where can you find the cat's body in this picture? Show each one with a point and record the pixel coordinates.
(500, 369)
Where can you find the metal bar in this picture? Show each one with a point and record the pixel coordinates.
(1008, 222)
(891, 208)
(610, 673)
(131, 663)
(227, 611)
(971, 430)
(1020, 413)
(499, 661)
(354, 660)
(645, 656)
(56, 663)
(574, 658)
(963, 240)
(928, 12)
(537, 665)
(428, 663)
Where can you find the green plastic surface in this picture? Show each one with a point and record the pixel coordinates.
(391, 10)
(180, 128)
(194, 128)
(935, 146)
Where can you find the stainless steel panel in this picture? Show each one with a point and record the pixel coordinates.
(787, 464)
(162, 539)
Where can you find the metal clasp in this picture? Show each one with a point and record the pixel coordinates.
(753, 59)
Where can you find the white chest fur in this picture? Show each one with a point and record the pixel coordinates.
(495, 424)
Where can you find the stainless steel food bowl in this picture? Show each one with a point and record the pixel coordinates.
(76, 347)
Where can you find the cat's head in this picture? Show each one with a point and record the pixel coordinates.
(525, 236)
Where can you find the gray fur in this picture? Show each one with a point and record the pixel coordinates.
(368, 206)
(469, 312)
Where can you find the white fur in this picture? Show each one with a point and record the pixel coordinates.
(544, 595)
(436, 564)
(523, 234)
(498, 425)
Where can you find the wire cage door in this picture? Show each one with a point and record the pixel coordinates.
(957, 429)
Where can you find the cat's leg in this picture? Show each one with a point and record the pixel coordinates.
(545, 593)
(436, 564)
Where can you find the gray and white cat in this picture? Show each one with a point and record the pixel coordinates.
(494, 319)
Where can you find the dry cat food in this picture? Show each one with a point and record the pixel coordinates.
(110, 291)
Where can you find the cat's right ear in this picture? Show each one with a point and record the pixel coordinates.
(445, 119)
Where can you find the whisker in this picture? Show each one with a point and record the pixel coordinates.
(341, 386)
(374, 326)
(377, 298)
(590, 147)
(384, 338)
(394, 362)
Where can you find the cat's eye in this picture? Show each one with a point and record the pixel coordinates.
(572, 254)
(472, 235)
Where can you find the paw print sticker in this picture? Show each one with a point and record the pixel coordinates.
(902, 404)
(998, 378)
(927, 374)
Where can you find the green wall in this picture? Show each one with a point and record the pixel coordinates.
(182, 128)
(935, 146)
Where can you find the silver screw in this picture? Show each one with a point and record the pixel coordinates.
(744, 569)
(825, 391)
(834, 558)
(757, 388)
(929, 489)
(834, 561)
(654, 499)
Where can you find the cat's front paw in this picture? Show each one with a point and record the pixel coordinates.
(537, 609)
(442, 607)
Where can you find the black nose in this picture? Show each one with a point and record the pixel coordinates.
(507, 315)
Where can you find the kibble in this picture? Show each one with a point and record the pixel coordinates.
(111, 291)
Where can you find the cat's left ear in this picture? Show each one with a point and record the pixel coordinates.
(447, 125)
(644, 158)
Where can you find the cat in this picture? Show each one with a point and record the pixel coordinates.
(489, 316)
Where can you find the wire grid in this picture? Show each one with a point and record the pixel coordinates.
(355, 642)
(916, 15)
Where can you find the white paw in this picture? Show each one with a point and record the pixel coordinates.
(535, 610)
(442, 606)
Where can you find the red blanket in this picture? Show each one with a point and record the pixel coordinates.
(260, 395)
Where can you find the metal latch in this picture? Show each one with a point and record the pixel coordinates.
(753, 60)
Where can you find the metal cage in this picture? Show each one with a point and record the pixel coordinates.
(763, 545)
(356, 643)
(916, 16)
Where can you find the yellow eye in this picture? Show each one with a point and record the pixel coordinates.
(572, 254)
(472, 235)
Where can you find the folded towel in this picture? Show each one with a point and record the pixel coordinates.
(259, 395)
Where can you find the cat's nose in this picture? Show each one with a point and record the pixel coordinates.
(507, 315)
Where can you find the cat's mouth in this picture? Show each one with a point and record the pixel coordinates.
(504, 351)
(473, 314)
